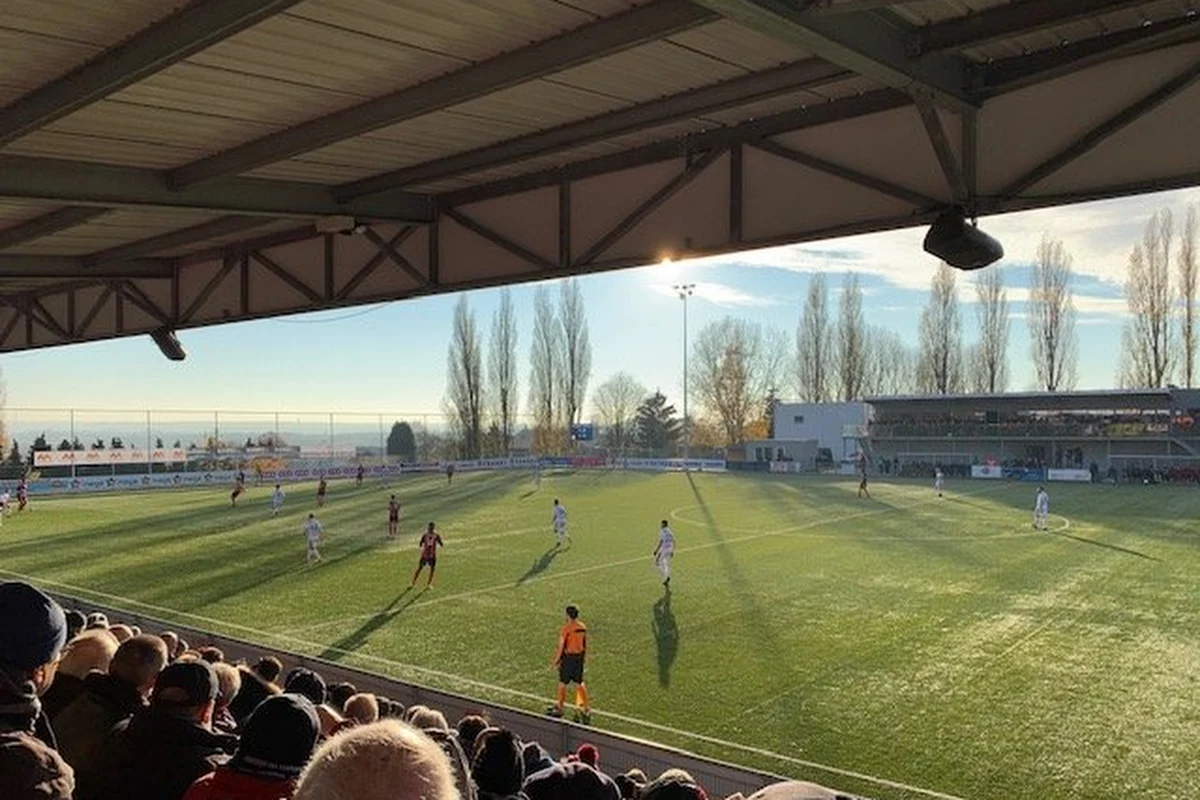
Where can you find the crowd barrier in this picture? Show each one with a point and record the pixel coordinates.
(619, 752)
(179, 480)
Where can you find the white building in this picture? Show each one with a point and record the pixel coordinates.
(834, 426)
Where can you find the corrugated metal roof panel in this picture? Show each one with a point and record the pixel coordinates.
(734, 44)
(102, 24)
(927, 11)
(29, 60)
(269, 226)
(115, 228)
(164, 126)
(105, 149)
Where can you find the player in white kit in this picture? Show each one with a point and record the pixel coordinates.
(313, 532)
(560, 523)
(664, 552)
(1041, 509)
(939, 480)
(276, 500)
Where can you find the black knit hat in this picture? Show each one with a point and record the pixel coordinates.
(33, 628)
(306, 682)
(278, 738)
(498, 767)
(196, 681)
(75, 623)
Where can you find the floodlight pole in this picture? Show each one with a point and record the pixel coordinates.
(685, 291)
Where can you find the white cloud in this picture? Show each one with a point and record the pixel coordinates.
(720, 294)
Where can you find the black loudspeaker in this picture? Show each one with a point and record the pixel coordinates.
(960, 244)
(168, 342)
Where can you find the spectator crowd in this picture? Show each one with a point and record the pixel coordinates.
(95, 710)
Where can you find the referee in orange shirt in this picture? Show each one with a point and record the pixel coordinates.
(572, 651)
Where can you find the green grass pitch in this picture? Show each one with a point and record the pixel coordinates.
(940, 644)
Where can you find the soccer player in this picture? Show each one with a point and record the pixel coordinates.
(314, 533)
(1041, 509)
(322, 488)
(664, 552)
(862, 477)
(572, 652)
(393, 517)
(22, 493)
(239, 486)
(429, 545)
(358, 476)
(449, 474)
(560, 523)
(939, 480)
(276, 500)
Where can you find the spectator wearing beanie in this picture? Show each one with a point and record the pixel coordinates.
(302, 680)
(277, 741)
(108, 699)
(32, 635)
(165, 747)
(90, 652)
(588, 754)
(258, 683)
(386, 760)
(573, 781)
(497, 767)
(339, 693)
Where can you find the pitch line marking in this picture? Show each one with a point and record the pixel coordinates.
(626, 562)
(508, 691)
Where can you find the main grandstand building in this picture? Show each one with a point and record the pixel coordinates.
(1084, 435)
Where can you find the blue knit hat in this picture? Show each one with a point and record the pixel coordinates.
(33, 628)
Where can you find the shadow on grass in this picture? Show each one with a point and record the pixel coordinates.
(1105, 545)
(666, 637)
(351, 643)
(540, 564)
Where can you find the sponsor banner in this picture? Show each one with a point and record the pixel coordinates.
(673, 464)
(785, 466)
(1024, 473)
(1076, 475)
(125, 455)
(987, 471)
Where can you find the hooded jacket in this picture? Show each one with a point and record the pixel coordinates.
(157, 755)
(30, 768)
(86, 723)
(227, 784)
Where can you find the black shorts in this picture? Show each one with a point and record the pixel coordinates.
(430, 562)
(570, 669)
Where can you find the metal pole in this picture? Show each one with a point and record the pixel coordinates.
(72, 443)
(685, 291)
(149, 450)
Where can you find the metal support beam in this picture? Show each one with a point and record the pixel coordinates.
(1090, 140)
(397, 258)
(861, 42)
(948, 161)
(648, 206)
(328, 263)
(564, 224)
(847, 174)
(291, 280)
(93, 312)
(646, 23)
(1019, 18)
(1018, 72)
(695, 103)
(370, 266)
(84, 183)
(227, 267)
(244, 279)
(75, 268)
(970, 156)
(845, 6)
(193, 28)
(799, 119)
(501, 241)
(10, 327)
(47, 224)
(737, 186)
(140, 299)
(222, 226)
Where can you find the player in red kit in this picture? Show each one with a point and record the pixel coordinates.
(430, 541)
(22, 493)
(239, 486)
(393, 517)
(358, 476)
(322, 488)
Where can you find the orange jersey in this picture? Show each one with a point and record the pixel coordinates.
(573, 639)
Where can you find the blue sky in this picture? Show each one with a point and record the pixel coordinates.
(391, 358)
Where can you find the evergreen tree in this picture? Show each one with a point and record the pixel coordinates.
(401, 442)
(658, 427)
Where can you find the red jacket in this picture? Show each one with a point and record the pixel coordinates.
(225, 784)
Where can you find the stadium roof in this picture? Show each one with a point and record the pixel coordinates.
(1107, 399)
(165, 164)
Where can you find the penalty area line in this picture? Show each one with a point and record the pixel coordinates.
(503, 690)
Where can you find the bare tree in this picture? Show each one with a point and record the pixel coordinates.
(851, 340)
(502, 370)
(576, 359)
(1052, 318)
(616, 403)
(1146, 343)
(989, 358)
(544, 366)
(732, 373)
(891, 365)
(814, 344)
(464, 382)
(940, 361)
(1189, 268)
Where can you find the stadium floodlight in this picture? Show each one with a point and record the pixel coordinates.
(168, 343)
(961, 244)
(685, 290)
